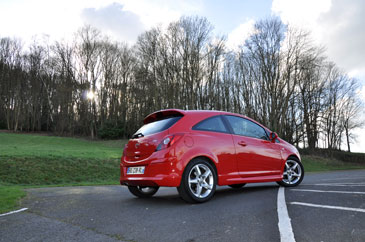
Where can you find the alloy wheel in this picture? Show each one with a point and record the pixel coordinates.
(201, 180)
(292, 172)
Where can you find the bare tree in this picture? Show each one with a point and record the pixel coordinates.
(278, 76)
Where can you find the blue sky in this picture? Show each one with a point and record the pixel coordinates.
(336, 24)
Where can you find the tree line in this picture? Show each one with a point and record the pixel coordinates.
(101, 88)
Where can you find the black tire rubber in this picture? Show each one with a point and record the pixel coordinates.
(138, 192)
(237, 186)
(281, 183)
(184, 189)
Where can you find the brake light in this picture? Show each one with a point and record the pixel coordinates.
(125, 147)
(168, 141)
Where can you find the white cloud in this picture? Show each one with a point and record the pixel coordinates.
(344, 35)
(338, 25)
(362, 93)
(35, 18)
(300, 12)
(57, 19)
(61, 19)
(153, 13)
(358, 145)
(238, 36)
(115, 21)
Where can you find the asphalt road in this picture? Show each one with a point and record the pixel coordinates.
(326, 207)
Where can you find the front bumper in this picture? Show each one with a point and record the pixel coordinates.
(158, 172)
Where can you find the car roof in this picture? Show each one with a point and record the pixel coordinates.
(171, 111)
(179, 112)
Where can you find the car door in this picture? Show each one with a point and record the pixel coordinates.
(256, 155)
(214, 135)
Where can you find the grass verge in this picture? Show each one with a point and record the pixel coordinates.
(314, 163)
(28, 161)
(9, 197)
(57, 170)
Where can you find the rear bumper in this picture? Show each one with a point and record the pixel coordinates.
(158, 172)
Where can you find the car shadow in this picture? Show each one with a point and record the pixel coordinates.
(227, 192)
(224, 192)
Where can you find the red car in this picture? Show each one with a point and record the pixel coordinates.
(197, 150)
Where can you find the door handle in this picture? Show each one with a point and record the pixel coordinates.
(242, 143)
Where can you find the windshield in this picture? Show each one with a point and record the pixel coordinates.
(155, 127)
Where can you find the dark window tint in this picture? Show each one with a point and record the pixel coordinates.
(211, 124)
(155, 127)
(245, 127)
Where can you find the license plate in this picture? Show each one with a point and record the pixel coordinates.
(135, 170)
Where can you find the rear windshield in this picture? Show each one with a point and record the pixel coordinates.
(156, 127)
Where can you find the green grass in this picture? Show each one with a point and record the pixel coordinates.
(35, 160)
(316, 163)
(9, 197)
(47, 160)
(25, 145)
(39, 170)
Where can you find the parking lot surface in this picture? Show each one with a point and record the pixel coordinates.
(325, 207)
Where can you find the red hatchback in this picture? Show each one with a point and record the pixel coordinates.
(197, 150)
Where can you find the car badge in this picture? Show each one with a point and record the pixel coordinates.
(137, 145)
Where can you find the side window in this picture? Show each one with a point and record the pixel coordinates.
(245, 127)
(214, 124)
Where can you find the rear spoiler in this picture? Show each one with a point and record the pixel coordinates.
(162, 114)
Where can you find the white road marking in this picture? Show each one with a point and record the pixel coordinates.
(335, 185)
(331, 207)
(343, 183)
(308, 190)
(16, 211)
(344, 178)
(285, 228)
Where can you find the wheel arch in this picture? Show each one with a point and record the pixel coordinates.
(287, 158)
(293, 156)
(206, 158)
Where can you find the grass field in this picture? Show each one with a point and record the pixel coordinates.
(28, 160)
(317, 163)
(9, 197)
(27, 145)
(35, 160)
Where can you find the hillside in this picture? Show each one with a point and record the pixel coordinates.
(47, 160)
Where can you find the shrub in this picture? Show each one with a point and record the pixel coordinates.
(344, 156)
(111, 130)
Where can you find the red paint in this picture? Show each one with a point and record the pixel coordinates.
(237, 159)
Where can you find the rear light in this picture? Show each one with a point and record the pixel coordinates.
(168, 141)
(125, 147)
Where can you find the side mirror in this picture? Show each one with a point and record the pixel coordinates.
(273, 136)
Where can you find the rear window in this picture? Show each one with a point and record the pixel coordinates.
(156, 127)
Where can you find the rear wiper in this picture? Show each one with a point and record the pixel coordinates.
(139, 135)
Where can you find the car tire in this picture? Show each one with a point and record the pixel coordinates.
(143, 192)
(293, 173)
(237, 186)
(198, 182)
